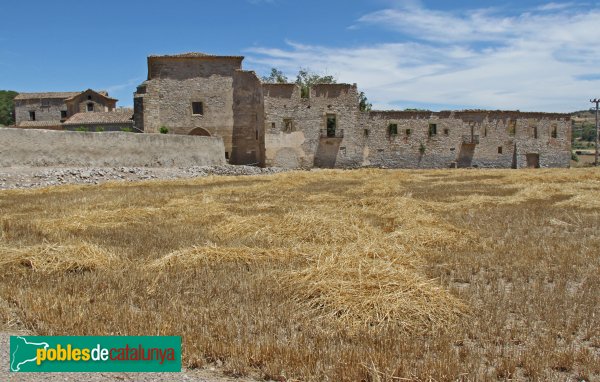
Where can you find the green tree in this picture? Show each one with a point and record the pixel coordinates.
(305, 79)
(276, 77)
(364, 104)
(7, 107)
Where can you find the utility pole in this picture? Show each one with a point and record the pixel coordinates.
(596, 101)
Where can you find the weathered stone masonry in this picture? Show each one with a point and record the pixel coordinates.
(204, 95)
(272, 124)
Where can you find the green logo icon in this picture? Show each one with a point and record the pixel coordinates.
(95, 354)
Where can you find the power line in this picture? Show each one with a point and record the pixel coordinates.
(596, 101)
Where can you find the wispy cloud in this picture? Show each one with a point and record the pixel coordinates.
(536, 60)
(556, 6)
(130, 83)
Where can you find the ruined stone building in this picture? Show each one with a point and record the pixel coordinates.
(199, 94)
(65, 110)
(273, 125)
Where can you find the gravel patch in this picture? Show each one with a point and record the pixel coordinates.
(34, 177)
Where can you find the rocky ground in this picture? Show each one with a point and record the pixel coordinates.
(30, 177)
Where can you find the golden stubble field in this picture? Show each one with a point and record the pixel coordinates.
(373, 275)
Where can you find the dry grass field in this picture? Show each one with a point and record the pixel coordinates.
(373, 275)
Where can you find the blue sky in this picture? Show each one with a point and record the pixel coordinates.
(527, 55)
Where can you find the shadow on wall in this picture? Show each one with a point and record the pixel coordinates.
(327, 152)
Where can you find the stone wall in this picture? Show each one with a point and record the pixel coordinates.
(231, 102)
(175, 83)
(398, 139)
(79, 103)
(51, 112)
(465, 139)
(248, 120)
(63, 148)
(300, 142)
(272, 125)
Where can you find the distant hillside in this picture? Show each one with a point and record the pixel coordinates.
(7, 107)
(584, 125)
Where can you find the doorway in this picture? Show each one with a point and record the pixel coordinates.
(533, 160)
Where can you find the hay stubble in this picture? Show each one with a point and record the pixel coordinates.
(328, 275)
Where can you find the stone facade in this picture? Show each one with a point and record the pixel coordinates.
(198, 94)
(90, 101)
(52, 109)
(273, 125)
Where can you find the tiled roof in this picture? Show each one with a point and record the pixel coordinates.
(192, 55)
(103, 93)
(119, 116)
(38, 123)
(46, 95)
(59, 95)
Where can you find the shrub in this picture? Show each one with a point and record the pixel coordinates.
(82, 128)
(574, 157)
(164, 130)
(127, 129)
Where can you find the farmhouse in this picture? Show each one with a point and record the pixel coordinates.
(276, 125)
(59, 110)
(273, 125)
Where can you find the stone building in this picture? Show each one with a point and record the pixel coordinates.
(50, 110)
(199, 94)
(273, 125)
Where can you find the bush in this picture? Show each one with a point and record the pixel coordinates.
(82, 128)
(127, 130)
(164, 130)
(574, 157)
(422, 149)
(99, 129)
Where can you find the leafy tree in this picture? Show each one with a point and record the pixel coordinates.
(305, 79)
(588, 132)
(364, 104)
(7, 107)
(276, 77)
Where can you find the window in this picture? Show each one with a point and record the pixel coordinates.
(432, 129)
(512, 127)
(272, 125)
(534, 132)
(63, 114)
(446, 132)
(554, 133)
(485, 131)
(366, 132)
(226, 155)
(32, 115)
(288, 125)
(90, 107)
(408, 132)
(331, 125)
(499, 149)
(197, 108)
(89, 97)
(45, 103)
(393, 129)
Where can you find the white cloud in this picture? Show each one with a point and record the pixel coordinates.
(542, 60)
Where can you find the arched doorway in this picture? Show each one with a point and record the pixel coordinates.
(199, 131)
